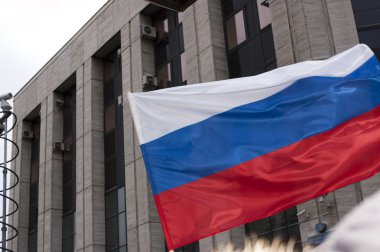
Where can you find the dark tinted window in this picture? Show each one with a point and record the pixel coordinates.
(249, 38)
(169, 48)
(283, 226)
(33, 189)
(116, 236)
(235, 29)
(367, 17)
(193, 247)
(69, 170)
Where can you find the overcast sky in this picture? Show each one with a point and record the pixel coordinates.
(32, 31)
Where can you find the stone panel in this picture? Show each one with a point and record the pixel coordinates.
(222, 239)
(136, 6)
(371, 185)
(342, 23)
(41, 233)
(299, 33)
(238, 237)
(77, 52)
(79, 75)
(157, 238)
(137, 70)
(203, 26)
(318, 29)
(94, 231)
(135, 28)
(130, 195)
(206, 244)
(120, 13)
(90, 37)
(125, 37)
(79, 221)
(53, 230)
(346, 198)
(153, 213)
(105, 25)
(144, 236)
(79, 164)
(53, 184)
(220, 63)
(216, 23)
(64, 64)
(41, 83)
(127, 120)
(207, 67)
(281, 34)
(133, 240)
(142, 192)
(79, 113)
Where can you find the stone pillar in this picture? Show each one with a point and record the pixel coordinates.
(311, 29)
(52, 211)
(92, 189)
(144, 230)
(79, 162)
(205, 50)
(21, 192)
(205, 54)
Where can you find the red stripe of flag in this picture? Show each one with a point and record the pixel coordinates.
(272, 183)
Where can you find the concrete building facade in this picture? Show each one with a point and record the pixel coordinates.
(83, 184)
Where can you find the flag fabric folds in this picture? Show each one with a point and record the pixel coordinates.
(225, 153)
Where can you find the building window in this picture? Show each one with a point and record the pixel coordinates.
(235, 29)
(283, 226)
(249, 38)
(367, 18)
(116, 237)
(69, 171)
(265, 15)
(193, 247)
(169, 49)
(33, 191)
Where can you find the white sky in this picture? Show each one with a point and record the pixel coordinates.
(31, 32)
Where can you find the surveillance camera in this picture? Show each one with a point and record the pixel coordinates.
(5, 97)
(5, 105)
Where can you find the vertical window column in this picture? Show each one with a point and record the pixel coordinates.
(69, 171)
(169, 48)
(33, 190)
(367, 18)
(249, 38)
(115, 216)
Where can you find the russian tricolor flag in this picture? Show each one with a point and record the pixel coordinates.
(225, 153)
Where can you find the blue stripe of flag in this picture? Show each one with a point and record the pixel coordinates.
(308, 107)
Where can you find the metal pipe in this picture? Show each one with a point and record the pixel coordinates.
(4, 227)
